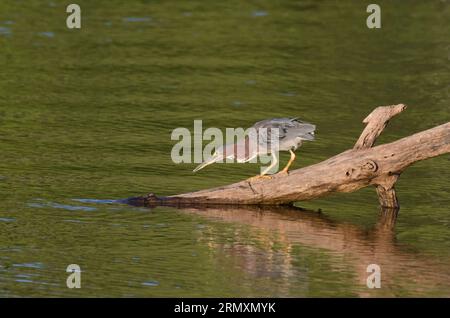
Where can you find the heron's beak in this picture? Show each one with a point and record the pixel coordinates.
(206, 163)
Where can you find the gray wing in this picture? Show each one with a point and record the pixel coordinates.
(286, 127)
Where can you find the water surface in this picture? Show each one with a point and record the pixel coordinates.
(86, 117)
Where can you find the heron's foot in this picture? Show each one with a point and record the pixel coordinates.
(284, 172)
(259, 177)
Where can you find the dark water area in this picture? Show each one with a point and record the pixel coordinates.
(86, 118)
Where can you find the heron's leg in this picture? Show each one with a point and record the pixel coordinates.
(263, 174)
(285, 169)
(273, 164)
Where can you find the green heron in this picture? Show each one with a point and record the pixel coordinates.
(289, 135)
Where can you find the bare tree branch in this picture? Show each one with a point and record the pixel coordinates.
(349, 171)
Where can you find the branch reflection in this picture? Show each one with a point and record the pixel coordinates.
(357, 247)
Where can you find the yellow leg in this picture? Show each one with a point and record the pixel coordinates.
(285, 169)
(263, 174)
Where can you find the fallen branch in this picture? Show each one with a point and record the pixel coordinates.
(349, 171)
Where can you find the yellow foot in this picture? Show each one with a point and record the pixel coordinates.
(283, 172)
(259, 177)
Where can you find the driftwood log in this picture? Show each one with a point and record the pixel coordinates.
(362, 166)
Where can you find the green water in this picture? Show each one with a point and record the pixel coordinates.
(86, 117)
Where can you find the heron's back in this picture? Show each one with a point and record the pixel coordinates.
(291, 131)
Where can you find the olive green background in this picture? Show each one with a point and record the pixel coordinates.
(86, 117)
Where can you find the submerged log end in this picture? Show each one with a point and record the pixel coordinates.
(148, 200)
(385, 186)
(387, 198)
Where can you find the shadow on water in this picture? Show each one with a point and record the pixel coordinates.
(356, 245)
